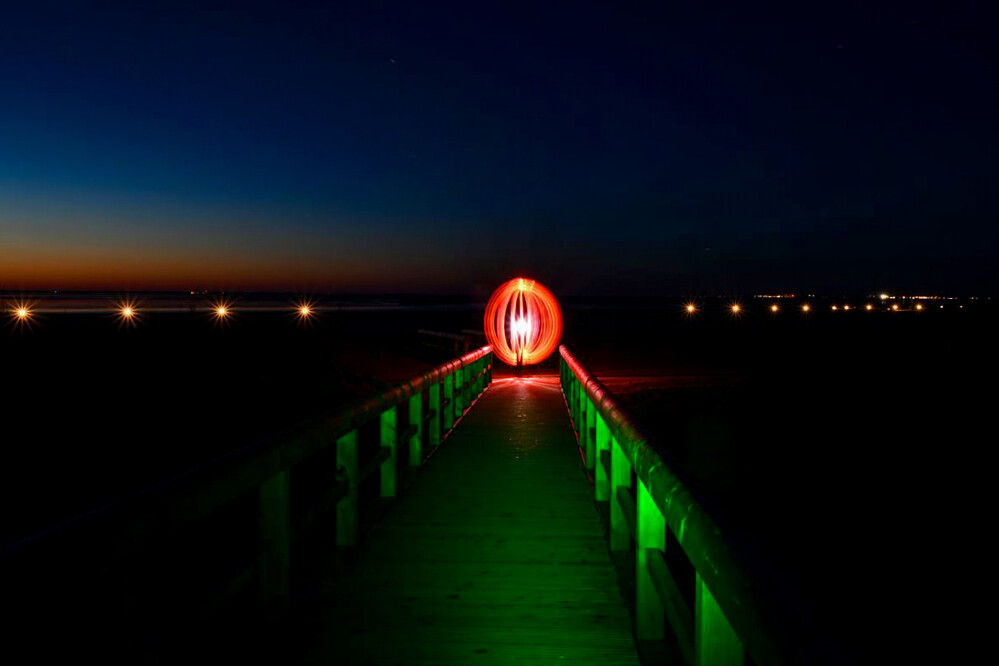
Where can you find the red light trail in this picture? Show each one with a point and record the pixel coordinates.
(523, 322)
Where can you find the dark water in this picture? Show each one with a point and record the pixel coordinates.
(94, 409)
(846, 455)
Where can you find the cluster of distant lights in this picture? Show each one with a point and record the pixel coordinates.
(128, 312)
(692, 308)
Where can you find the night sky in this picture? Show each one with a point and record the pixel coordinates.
(830, 147)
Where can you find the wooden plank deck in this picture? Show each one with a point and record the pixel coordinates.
(493, 555)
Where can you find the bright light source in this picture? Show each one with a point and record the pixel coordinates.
(523, 322)
(774, 308)
(736, 308)
(306, 311)
(895, 307)
(919, 306)
(691, 308)
(806, 307)
(835, 307)
(846, 307)
(883, 296)
(221, 310)
(21, 313)
(128, 313)
(868, 307)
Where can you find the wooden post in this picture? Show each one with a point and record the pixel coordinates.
(434, 435)
(346, 508)
(601, 480)
(449, 399)
(416, 437)
(572, 399)
(589, 425)
(620, 537)
(275, 544)
(715, 642)
(388, 430)
(651, 533)
(459, 392)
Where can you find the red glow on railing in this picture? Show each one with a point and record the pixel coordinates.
(523, 322)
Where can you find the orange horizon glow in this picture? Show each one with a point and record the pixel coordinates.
(29, 267)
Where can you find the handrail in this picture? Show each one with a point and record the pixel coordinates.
(729, 618)
(265, 466)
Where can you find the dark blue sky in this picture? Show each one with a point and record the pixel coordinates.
(418, 146)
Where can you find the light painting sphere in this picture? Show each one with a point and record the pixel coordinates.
(523, 322)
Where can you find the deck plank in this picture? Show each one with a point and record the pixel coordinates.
(493, 555)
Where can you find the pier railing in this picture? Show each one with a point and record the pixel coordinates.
(94, 557)
(713, 610)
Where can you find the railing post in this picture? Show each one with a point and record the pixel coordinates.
(572, 398)
(449, 402)
(458, 406)
(466, 384)
(620, 537)
(434, 436)
(388, 431)
(275, 543)
(581, 425)
(651, 533)
(715, 642)
(601, 480)
(589, 425)
(346, 508)
(416, 436)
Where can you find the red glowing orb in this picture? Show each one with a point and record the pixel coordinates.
(523, 322)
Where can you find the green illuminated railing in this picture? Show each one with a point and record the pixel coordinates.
(89, 546)
(728, 620)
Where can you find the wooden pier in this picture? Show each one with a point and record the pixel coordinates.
(466, 531)
(494, 555)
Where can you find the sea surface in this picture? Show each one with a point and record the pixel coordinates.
(843, 452)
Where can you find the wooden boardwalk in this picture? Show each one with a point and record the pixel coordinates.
(493, 555)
